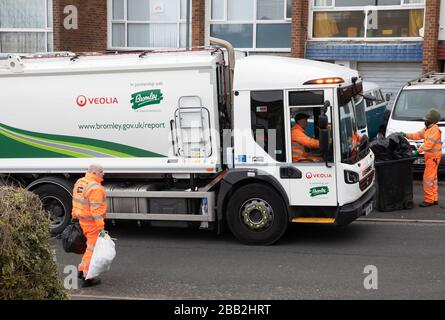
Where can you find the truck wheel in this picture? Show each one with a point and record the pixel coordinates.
(256, 215)
(58, 203)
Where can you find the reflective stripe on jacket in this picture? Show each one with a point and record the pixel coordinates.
(89, 201)
(300, 143)
(432, 137)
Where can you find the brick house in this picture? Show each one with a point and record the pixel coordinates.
(388, 41)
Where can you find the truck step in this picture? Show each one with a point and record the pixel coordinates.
(314, 220)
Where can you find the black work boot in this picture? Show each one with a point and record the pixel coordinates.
(426, 204)
(90, 282)
(80, 275)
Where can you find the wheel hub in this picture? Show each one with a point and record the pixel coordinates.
(257, 214)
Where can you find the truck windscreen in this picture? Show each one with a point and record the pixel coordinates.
(349, 136)
(413, 104)
(360, 113)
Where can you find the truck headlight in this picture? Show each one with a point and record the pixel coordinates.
(351, 177)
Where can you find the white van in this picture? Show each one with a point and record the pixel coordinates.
(412, 103)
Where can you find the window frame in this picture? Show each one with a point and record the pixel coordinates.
(327, 96)
(46, 31)
(283, 124)
(366, 10)
(110, 22)
(254, 24)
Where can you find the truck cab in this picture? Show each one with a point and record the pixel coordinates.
(268, 93)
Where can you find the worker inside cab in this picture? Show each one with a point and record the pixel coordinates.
(304, 147)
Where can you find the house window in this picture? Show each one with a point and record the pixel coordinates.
(147, 24)
(26, 26)
(367, 19)
(257, 25)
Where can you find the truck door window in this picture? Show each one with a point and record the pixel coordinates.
(267, 116)
(305, 133)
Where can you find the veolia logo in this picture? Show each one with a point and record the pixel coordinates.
(310, 175)
(82, 101)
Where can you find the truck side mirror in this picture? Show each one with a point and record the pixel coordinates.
(323, 121)
(324, 143)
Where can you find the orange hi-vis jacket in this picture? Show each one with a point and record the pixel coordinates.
(356, 139)
(89, 202)
(432, 136)
(300, 141)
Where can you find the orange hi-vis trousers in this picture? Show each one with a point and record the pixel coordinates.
(430, 181)
(91, 233)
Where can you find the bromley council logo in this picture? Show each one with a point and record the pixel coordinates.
(82, 101)
(146, 98)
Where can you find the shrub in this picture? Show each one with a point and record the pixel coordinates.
(28, 269)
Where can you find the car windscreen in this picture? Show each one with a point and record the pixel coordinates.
(412, 105)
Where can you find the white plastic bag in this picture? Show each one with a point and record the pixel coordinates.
(103, 255)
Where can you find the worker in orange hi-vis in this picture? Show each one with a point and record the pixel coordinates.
(432, 149)
(301, 143)
(89, 207)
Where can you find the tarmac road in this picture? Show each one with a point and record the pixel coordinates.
(310, 262)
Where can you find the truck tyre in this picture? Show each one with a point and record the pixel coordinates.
(256, 215)
(58, 203)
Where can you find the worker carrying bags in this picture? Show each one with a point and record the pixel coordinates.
(103, 255)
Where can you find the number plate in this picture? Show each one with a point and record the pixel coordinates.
(419, 161)
(368, 209)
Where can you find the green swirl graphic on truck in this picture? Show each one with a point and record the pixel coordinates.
(146, 98)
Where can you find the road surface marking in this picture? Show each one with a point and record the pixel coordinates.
(83, 296)
(402, 220)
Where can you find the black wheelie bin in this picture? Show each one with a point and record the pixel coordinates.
(394, 179)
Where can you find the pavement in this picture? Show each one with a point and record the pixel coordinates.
(430, 214)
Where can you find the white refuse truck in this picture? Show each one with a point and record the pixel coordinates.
(187, 138)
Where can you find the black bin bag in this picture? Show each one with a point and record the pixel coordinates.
(394, 147)
(400, 146)
(73, 239)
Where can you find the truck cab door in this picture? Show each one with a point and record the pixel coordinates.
(312, 179)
